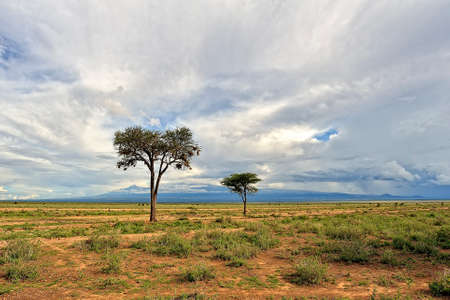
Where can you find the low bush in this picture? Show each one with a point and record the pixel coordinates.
(389, 258)
(309, 271)
(99, 243)
(199, 272)
(20, 271)
(348, 251)
(232, 245)
(21, 249)
(112, 263)
(263, 239)
(441, 286)
(443, 237)
(112, 283)
(171, 244)
(344, 232)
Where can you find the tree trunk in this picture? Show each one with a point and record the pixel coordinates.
(153, 207)
(245, 202)
(245, 207)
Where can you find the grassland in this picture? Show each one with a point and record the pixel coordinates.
(210, 251)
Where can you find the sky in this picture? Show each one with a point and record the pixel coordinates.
(330, 96)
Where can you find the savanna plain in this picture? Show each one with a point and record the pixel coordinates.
(368, 250)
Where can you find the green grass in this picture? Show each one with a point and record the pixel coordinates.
(169, 244)
(348, 251)
(99, 243)
(112, 284)
(198, 272)
(389, 258)
(20, 271)
(21, 249)
(441, 286)
(112, 263)
(309, 271)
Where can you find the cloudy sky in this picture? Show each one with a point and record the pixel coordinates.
(332, 96)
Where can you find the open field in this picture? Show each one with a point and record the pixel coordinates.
(378, 250)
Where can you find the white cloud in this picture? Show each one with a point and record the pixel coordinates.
(254, 80)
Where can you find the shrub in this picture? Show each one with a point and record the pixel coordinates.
(343, 232)
(236, 251)
(236, 262)
(112, 263)
(441, 286)
(141, 244)
(232, 245)
(227, 222)
(263, 239)
(348, 251)
(307, 228)
(389, 258)
(309, 271)
(112, 283)
(198, 273)
(443, 237)
(21, 249)
(171, 244)
(98, 243)
(20, 271)
(401, 243)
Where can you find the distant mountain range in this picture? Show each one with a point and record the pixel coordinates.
(212, 193)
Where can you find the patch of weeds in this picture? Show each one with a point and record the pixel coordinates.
(198, 272)
(309, 271)
(226, 284)
(231, 245)
(263, 239)
(348, 251)
(307, 228)
(112, 263)
(160, 266)
(227, 222)
(21, 249)
(251, 282)
(171, 244)
(6, 289)
(272, 281)
(389, 258)
(19, 271)
(443, 237)
(344, 232)
(236, 262)
(141, 244)
(441, 286)
(384, 281)
(112, 283)
(99, 243)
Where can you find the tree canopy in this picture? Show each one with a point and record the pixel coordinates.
(242, 184)
(157, 150)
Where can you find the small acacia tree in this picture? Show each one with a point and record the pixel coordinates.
(157, 150)
(242, 184)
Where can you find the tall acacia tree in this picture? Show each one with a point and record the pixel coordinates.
(157, 150)
(242, 184)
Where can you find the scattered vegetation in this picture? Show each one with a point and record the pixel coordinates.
(20, 250)
(198, 272)
(441, 286)
(304, 236)
(100, 243)
(112, 263)
(20, 271)
(309, 271)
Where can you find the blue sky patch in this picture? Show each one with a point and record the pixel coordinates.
(325, 136)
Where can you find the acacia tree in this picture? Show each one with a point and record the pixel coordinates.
(157, 150)
(242, 184)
